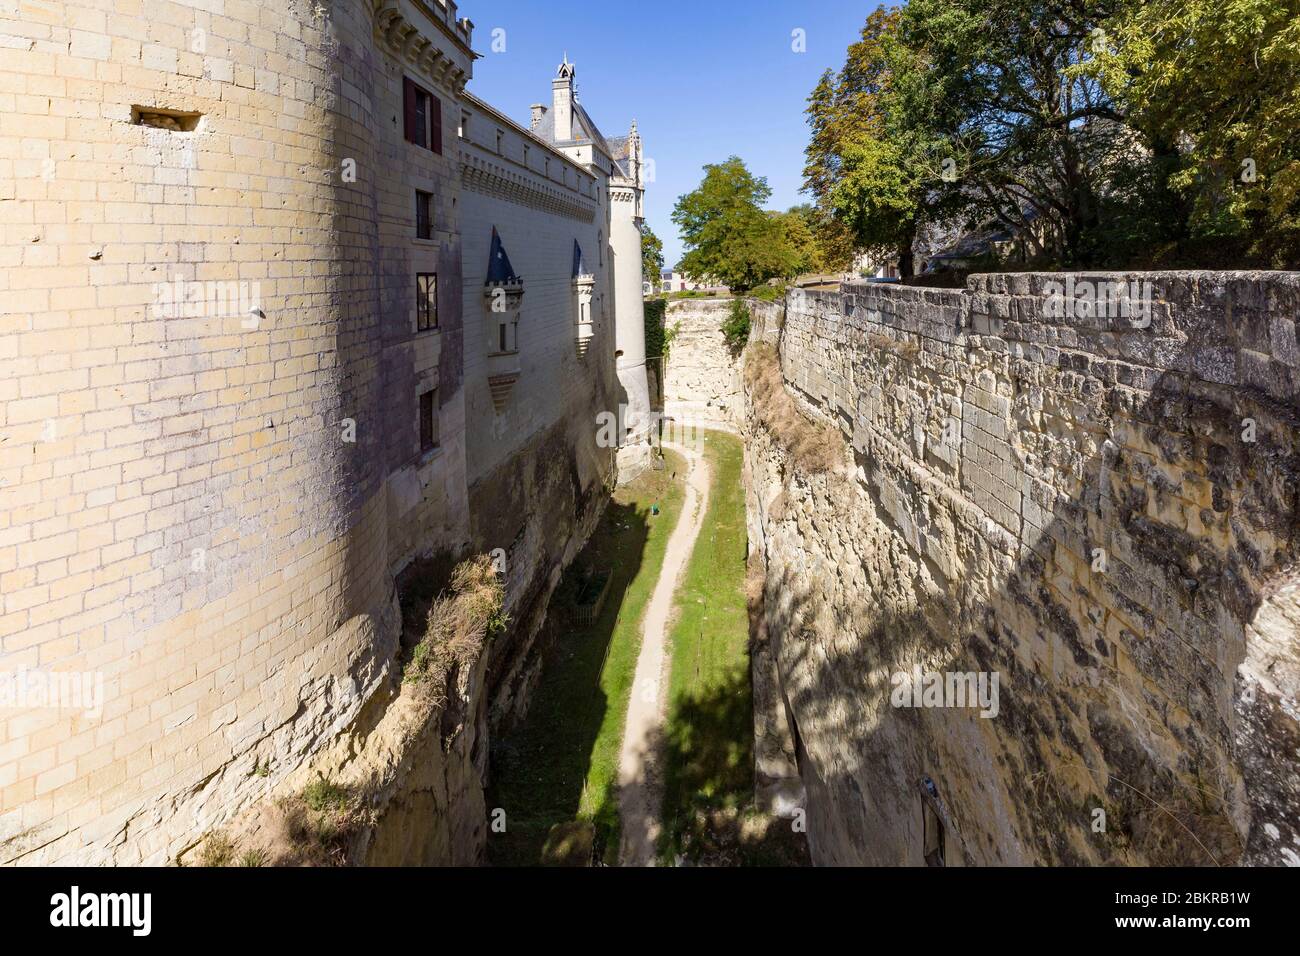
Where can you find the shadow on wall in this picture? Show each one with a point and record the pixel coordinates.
(1151, 724)
(541, 766)
(538, 506)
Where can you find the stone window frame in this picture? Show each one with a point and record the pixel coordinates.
(507, 334)
(429, 430)
(426, 135)
(424, 201)
(426, 305)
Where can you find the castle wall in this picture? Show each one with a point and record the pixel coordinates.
(538, 472)
(625, 250)
(1102, 513)
(181, 514)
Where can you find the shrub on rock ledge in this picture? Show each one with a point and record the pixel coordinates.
(813, 447)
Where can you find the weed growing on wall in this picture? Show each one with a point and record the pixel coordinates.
(736, 327)
(814, 448)
(459, 622)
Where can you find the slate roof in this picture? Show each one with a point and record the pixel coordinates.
(499, 267)
(585, 129)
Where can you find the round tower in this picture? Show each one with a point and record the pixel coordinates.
(626, 194)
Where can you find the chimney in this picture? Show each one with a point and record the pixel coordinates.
(562, 101)
(538, 112)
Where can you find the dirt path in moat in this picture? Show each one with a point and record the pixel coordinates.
(640, 783)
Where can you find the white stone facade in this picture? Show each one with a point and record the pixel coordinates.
(210, 511)
(619, 164)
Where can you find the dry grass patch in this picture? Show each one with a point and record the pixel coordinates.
(316, 827)
(459, 621)
(217, 850)
(903, 348)
(814, 447)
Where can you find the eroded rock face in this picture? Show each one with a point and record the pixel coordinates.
(1099, 508)
(701, 379)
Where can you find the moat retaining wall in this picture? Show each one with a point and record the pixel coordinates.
(701, 380)
(1101, 512)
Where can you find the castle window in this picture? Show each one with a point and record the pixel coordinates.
(507, 334)
(429, 421)
(525, 155)
(422, 112)
(463, 132)
(501, 143)
(423, 215)
(178, 121)
(426, 301)
(600, 249)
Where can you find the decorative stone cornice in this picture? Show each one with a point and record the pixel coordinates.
(405, 41)
(622, 195)
(500, 387)
(494, 180)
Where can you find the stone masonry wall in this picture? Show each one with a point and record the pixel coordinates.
(701, 379)
(180, 514)
(538, 474)
(1099, 510)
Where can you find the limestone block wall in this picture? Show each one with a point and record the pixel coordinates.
(197, 299)
(538, 472)
(701, 378)
(1100, 509)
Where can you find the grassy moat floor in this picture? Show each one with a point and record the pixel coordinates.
(555, 774)
(561, 763)
(708, 744)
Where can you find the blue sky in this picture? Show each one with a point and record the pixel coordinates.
(703, 79)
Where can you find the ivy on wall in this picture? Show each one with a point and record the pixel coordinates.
(656, 337)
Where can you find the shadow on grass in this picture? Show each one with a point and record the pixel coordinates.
(560, 763)
(708, 810)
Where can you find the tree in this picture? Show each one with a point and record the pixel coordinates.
(1102, 132)
(727, 234)
(869, 165)
(820, 244)
(1213, 88)
(652, 255)
(1032, 135)
(798, 235)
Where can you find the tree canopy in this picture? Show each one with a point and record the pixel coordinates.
(1102, 132)
(727, 233)
(652, 255)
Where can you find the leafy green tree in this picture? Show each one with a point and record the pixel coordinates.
(798, 235)
(727, 234)
(1104, 132)
(1214, 90)
(820, 243)
(652, 255)
(1030, 135)
(872, 165)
